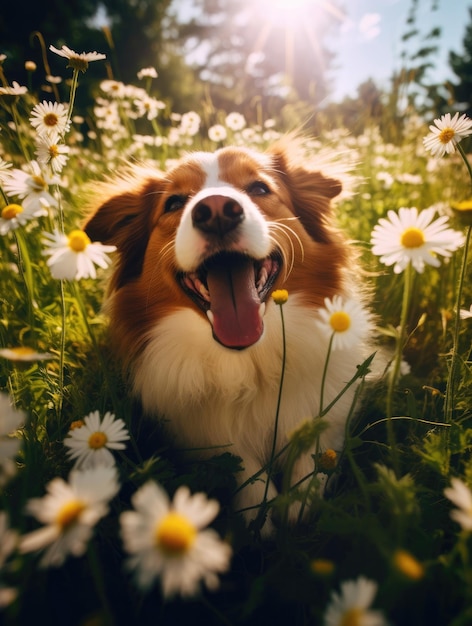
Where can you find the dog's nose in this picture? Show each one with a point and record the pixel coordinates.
(217, 214)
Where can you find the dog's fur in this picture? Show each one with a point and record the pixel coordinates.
(217, 383)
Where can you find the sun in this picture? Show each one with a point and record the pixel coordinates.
(287, 23)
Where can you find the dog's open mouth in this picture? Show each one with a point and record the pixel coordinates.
(232, 288)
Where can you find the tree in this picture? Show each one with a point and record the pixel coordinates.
(268, 52)
(461, 65)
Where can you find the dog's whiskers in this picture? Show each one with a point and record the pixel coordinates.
(290, 235)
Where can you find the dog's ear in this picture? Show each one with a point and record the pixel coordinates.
(310, 189)
(121, 215)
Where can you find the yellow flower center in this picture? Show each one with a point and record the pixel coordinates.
(53, 151)
(78, 241)
(50, 119)
(446, 135)
(280, 296)
(39, 183)
(408, 565)
(340, 321)
(352, 617)
(77, 424)
(23, 351)
(97, 440)
(69, 513)
(175, 534)
(412, 238)
(11, 211)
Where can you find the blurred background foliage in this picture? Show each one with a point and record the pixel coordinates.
(232, 54)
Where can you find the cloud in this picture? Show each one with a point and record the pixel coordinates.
(369, 25)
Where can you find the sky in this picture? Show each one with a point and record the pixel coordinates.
(369, 44)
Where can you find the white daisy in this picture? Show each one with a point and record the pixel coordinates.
(217, 133)
(4, 170)
(345, 320)
(68, 512)
(413, 237)
(14, 90)
(24, 353)
(235, 121)
(32, 188)
(190, 123)
(50, 118)
(147, 72)
(8, 543)
(14, 215)
(78, 61)
(90, 444)
(352, 605)
(460, 495)
(466, 313)
(170, 540)
(148, 106)
(50, 151)
(11, 420)
(446, 133)
(74, 256)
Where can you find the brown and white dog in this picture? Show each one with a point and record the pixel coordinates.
(200, 250)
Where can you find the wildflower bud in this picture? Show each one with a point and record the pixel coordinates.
(407, 565)
(30, 66)
(322, 567)
(280, 296)
(327, 460)
(77, 424)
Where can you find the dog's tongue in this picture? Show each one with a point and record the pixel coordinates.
(235, 304)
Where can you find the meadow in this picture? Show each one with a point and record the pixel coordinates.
(102, 523)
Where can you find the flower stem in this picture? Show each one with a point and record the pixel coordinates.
(279, 398)
(395, 367)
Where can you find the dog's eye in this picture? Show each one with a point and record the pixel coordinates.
(258, 188)
(174, 203)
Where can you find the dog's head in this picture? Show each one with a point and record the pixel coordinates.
(217, 233)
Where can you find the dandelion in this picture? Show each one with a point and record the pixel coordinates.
(49, 151)
(79, 62)
(346, 321)
(170, 540)
(466, 313)
(217, 133)
(31, 187)
(74, 256)
(11, 420)
(413, 237)
(50, 118)
(351, 607)
(446, 133)
(90, 443)
(69, 511)
(25, 354)
(460, 495)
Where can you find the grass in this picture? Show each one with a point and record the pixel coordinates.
(386, 518)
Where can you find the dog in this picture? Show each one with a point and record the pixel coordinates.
(200, 250)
